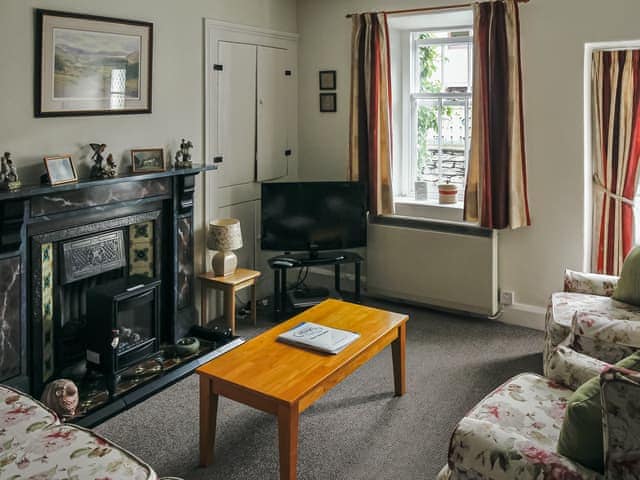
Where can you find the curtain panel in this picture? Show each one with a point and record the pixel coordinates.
(370, 143)
(496, 188)
(615, 96)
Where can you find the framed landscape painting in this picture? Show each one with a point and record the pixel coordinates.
(87, 65)
(147, 160)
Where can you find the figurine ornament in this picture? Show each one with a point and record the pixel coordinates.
(98, 170)
(8, 174)
(61, 396)
(183, 156)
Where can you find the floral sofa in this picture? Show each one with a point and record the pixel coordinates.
(513, 433)
(585, 317)
(35, 445)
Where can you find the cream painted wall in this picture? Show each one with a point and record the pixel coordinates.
(178, 80)
(531, 260)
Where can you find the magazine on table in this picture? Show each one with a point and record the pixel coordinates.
(318, 337)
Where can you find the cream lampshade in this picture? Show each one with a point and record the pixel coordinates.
(224, 237)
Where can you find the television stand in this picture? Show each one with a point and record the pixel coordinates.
(281, 263)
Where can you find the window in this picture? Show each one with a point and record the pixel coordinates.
(434, 128)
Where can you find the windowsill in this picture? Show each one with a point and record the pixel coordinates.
(428, 203)
(430, 210)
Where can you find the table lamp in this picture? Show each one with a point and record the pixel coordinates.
(224, 237)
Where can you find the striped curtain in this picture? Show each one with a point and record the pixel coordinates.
(616, 150)
(370, 147)
(496, 188)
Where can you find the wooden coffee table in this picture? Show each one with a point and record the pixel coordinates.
(285, 380)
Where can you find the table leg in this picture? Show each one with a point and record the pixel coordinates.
(230, 308)
(283, 291)
(357, 272)
(276, 294)
(288, 417)
(399, 360)
(203, 305)
(208, 416)
(254, 316)
(336, 277)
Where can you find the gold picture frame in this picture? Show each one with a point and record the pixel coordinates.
(60, 169)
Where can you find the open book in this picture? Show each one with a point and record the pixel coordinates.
(318, 337)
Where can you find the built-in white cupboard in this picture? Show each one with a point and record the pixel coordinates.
(250, 123)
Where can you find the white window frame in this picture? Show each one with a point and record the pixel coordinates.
(407, 164)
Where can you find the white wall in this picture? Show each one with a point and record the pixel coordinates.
(553, 36)
(178, 80)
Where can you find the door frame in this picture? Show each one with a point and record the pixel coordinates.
(215, 31)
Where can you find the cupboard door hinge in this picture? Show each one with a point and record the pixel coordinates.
(287, 153)
(218, 67)
(217, 159)
(287, 73)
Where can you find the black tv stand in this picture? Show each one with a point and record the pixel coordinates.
(281, 263)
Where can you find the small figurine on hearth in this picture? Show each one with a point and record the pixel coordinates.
(98, 170)
(183, 156)
(61, 396)
(8, 174)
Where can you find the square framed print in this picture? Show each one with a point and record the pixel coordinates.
(88, 65)
(328, 102)
(327, 80)
(147, 160)
(60, 169)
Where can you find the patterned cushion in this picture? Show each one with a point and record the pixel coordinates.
(21, 419)
(563, 307)
(34, 445)
(513, 433)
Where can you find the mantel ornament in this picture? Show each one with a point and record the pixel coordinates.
(8, 174)
(99, 170)
(183, 156)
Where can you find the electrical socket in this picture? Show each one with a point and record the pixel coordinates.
(507, 298)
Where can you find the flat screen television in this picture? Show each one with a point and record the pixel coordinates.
(313, 216)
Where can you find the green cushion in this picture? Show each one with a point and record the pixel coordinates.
(628, 288)
(581, 433)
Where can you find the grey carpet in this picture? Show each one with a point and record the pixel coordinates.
(359, 430)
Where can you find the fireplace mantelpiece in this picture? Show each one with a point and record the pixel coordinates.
(153, 212)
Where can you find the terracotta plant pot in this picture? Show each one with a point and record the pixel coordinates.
(448, 193)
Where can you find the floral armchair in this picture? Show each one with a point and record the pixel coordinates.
(585, 317)
(513, 432)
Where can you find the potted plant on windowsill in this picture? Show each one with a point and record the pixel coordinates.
(448, 193)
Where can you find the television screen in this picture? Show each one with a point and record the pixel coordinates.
(308, 216)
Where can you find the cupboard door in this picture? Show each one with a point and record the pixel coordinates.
(236, 113)
(273, 87)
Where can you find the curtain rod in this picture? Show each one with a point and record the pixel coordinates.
(430, 9)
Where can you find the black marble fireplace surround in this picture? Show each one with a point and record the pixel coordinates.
(56, 243)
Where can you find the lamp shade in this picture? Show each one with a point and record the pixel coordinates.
(224, 235)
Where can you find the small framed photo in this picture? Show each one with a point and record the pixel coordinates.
(328, 102)
(327, 80)
(60, 169)
(147, 160)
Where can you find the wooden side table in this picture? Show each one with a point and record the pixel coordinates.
(229, 285)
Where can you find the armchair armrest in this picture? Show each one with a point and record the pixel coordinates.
(620, 395)
(571, 369)
(589, 283)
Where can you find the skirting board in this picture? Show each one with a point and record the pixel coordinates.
(523, 315)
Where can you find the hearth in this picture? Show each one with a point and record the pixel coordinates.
(124, 317)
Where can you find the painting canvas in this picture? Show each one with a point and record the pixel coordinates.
(90, 65)
(95, 65)
(147, 160)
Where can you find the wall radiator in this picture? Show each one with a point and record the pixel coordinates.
(453, 270)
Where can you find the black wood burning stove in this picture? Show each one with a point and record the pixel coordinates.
(123, 320)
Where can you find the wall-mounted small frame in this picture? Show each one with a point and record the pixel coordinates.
(60, 169)
(328, 102)
(327, 79)
(147, 160)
